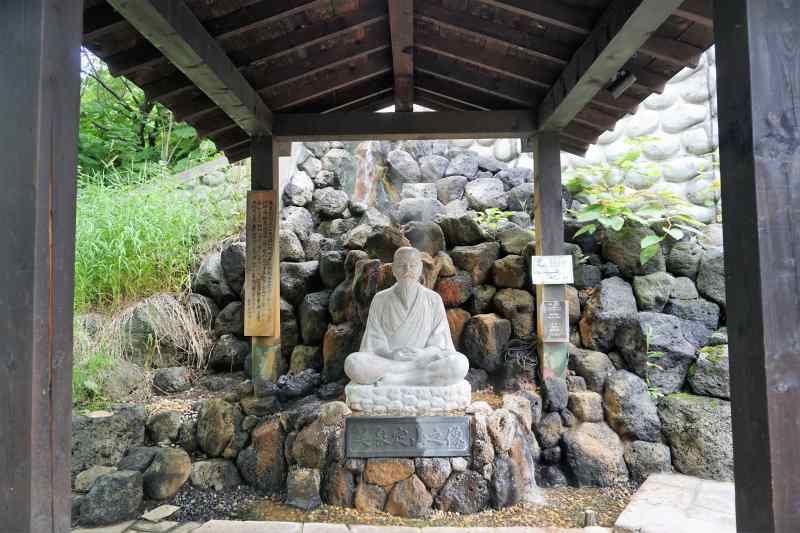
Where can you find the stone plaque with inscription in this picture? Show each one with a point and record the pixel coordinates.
(555, 321)
(261, 285)
(412, 436)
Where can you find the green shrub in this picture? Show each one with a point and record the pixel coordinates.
(137, 235)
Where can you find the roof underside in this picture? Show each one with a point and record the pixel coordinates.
(327, 56)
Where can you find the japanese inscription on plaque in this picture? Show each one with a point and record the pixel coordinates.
(555, 321)
(422, 436)
(551, 269)
(261, 266)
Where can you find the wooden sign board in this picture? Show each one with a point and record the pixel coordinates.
(262, 266)
(554, 321)
(552, 270)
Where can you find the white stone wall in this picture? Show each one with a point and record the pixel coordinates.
(683, 119)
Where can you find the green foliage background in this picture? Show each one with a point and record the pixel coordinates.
(121, 129)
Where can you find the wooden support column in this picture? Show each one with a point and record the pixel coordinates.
(39, 100)
(758, 78)
(262, 269)
(549, 225)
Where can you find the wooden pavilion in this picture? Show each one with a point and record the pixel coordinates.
(254, 74)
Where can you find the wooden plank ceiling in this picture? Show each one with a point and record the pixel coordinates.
(327, 56)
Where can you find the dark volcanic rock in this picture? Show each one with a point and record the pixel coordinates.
(465, 492)
(484, 339)
(113, 498)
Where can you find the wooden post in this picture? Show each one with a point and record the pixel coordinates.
(39, 100)
(262, 269)
(758, 77)
(549, 225)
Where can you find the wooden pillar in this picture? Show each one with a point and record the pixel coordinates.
(262, 269)
(39, 100)
(549, 225)
(758, 78)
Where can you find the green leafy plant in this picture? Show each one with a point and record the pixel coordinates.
(493, 216)
(652, 356)
(607, 203)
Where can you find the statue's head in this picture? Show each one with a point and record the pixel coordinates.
(407, 264)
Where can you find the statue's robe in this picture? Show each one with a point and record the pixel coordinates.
(421, 325)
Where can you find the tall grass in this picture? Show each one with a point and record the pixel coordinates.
(139, 235)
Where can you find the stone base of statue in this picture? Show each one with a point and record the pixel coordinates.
(407, 400)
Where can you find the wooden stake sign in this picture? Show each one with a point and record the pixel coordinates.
(261, 284)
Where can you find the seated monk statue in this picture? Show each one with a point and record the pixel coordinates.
(407, 339)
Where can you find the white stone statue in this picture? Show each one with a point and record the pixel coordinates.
(407, 360)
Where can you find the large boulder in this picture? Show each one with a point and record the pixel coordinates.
(210, 280)
(477, 260)
(623, 248)
(263, 463)
(711, 276)
(403, 166)
(684, 259)
(425, 237)
(303, 488)
(290, 330)
(410, 499)
(461, 230)
(710, 375)
(329, 202)
(594, 453)
(645, 458)
(629, 408)
(514, 177)
(455, 290)
(297, 279)
(340, 341)
(653, 290)
(485, 193)
(656, 349)
(520, 198)
(228, 354)
(698, 430)
(451, 188)
(593, 367)
(101, 437)
(216, 425)
(290, 246)
(610, 308)
(510, 271)
(484, 340)
(230, 320)
(465, 492)
(167, 473)
(382, 243)
(113, 498)
(153, 332)
(300, 189)
(432, 167)
(171, 380)
(463, 164)
(433, 471)
(298, 220)
(314, 316)
(422, 209)
(163, 426)
(215, 474)
(517, 306)
(233, 259)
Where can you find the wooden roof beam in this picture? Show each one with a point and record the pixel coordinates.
(698, 11)
(402, 126)
(619, 33)
(364, 21)
(581, 20)
(254, 16)
(401, 27)
(172, 27)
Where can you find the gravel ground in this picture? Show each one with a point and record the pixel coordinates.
(563, 507)
(201, 506)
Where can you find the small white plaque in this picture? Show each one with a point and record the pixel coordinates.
(552, 270)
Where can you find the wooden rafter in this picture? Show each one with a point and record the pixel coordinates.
(619, 33)
(365, 126)
(173, 28)
(365, 22)
(528, 46)
(582, 21)
(254, 16)
(401, 25)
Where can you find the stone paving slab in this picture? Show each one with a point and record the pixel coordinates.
(116, 528)
(674, 503)
(226, 526)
